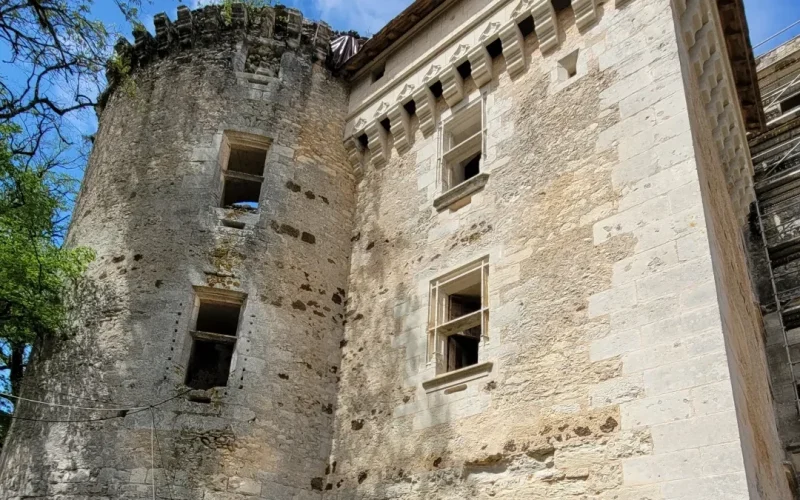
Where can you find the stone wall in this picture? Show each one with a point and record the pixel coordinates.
(150, 209)
(711, 98)
(604, 372)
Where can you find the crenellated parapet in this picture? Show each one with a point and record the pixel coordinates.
(263, 34)
(466, 53)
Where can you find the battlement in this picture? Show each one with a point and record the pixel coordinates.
(263, 32)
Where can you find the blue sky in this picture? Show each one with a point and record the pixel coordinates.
(766, 17)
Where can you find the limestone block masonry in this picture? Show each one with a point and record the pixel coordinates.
(581, 172)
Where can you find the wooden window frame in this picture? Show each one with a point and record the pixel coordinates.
(440, 328)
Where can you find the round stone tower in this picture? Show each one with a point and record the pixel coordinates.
(219, 200)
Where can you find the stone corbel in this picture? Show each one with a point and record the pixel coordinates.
(481, 63)
(185, 26)
(164, 31)
(512, 41)
(452, 86)
(378, 145)
(585, 12)
(355, 156)
(426, 110)
(294, 27)
(401, 127)
(239, 16)
(544, 18)
(322, 41)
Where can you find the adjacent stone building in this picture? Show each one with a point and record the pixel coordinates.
(776, 158)
(498, 252)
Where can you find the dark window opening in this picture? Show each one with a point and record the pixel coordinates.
(436, 89)
(466, 169)
(247, 161)
(495, 49)
(411, 107)
(464, 69)
(472, 167)
(790, 103)
(462, 350)
(209, 365)
(363, 140)
(386, 124)
(526, 26)
(241, 193)
(378, 73)
(218, 317)
(561, 4)
(464, 303)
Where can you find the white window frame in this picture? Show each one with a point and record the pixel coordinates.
(463, 150)
(440, 329)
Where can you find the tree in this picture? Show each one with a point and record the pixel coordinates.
(36, 268)
(56, 54)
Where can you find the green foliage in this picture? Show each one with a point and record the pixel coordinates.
(36, 268)
(251, 5)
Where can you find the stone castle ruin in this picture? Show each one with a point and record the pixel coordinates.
(503, 248)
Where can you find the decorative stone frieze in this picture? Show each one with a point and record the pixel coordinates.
(513, 43)
(505, 27)
(490, 32)
(585, 12)
(481, 63)
(544, 17)
(452, 86)
(426, 110)
(400, 126)
(378, 144)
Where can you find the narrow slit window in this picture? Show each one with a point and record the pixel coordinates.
(462, 143)
(214, 337)
(458, 317)
(245, 157)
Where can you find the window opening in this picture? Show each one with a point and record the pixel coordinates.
(458, 317)
(378, 72)
(568, 66)
(790, 103)
(526, 26)
(363, 140)
(214, 336)
(218, 317)
(243, 170)
(495, 48)
(462, 146)
(386, 124)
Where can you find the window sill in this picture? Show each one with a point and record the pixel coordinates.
(463, 190)
(450, 379)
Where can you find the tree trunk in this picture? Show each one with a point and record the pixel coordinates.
(16, 367)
